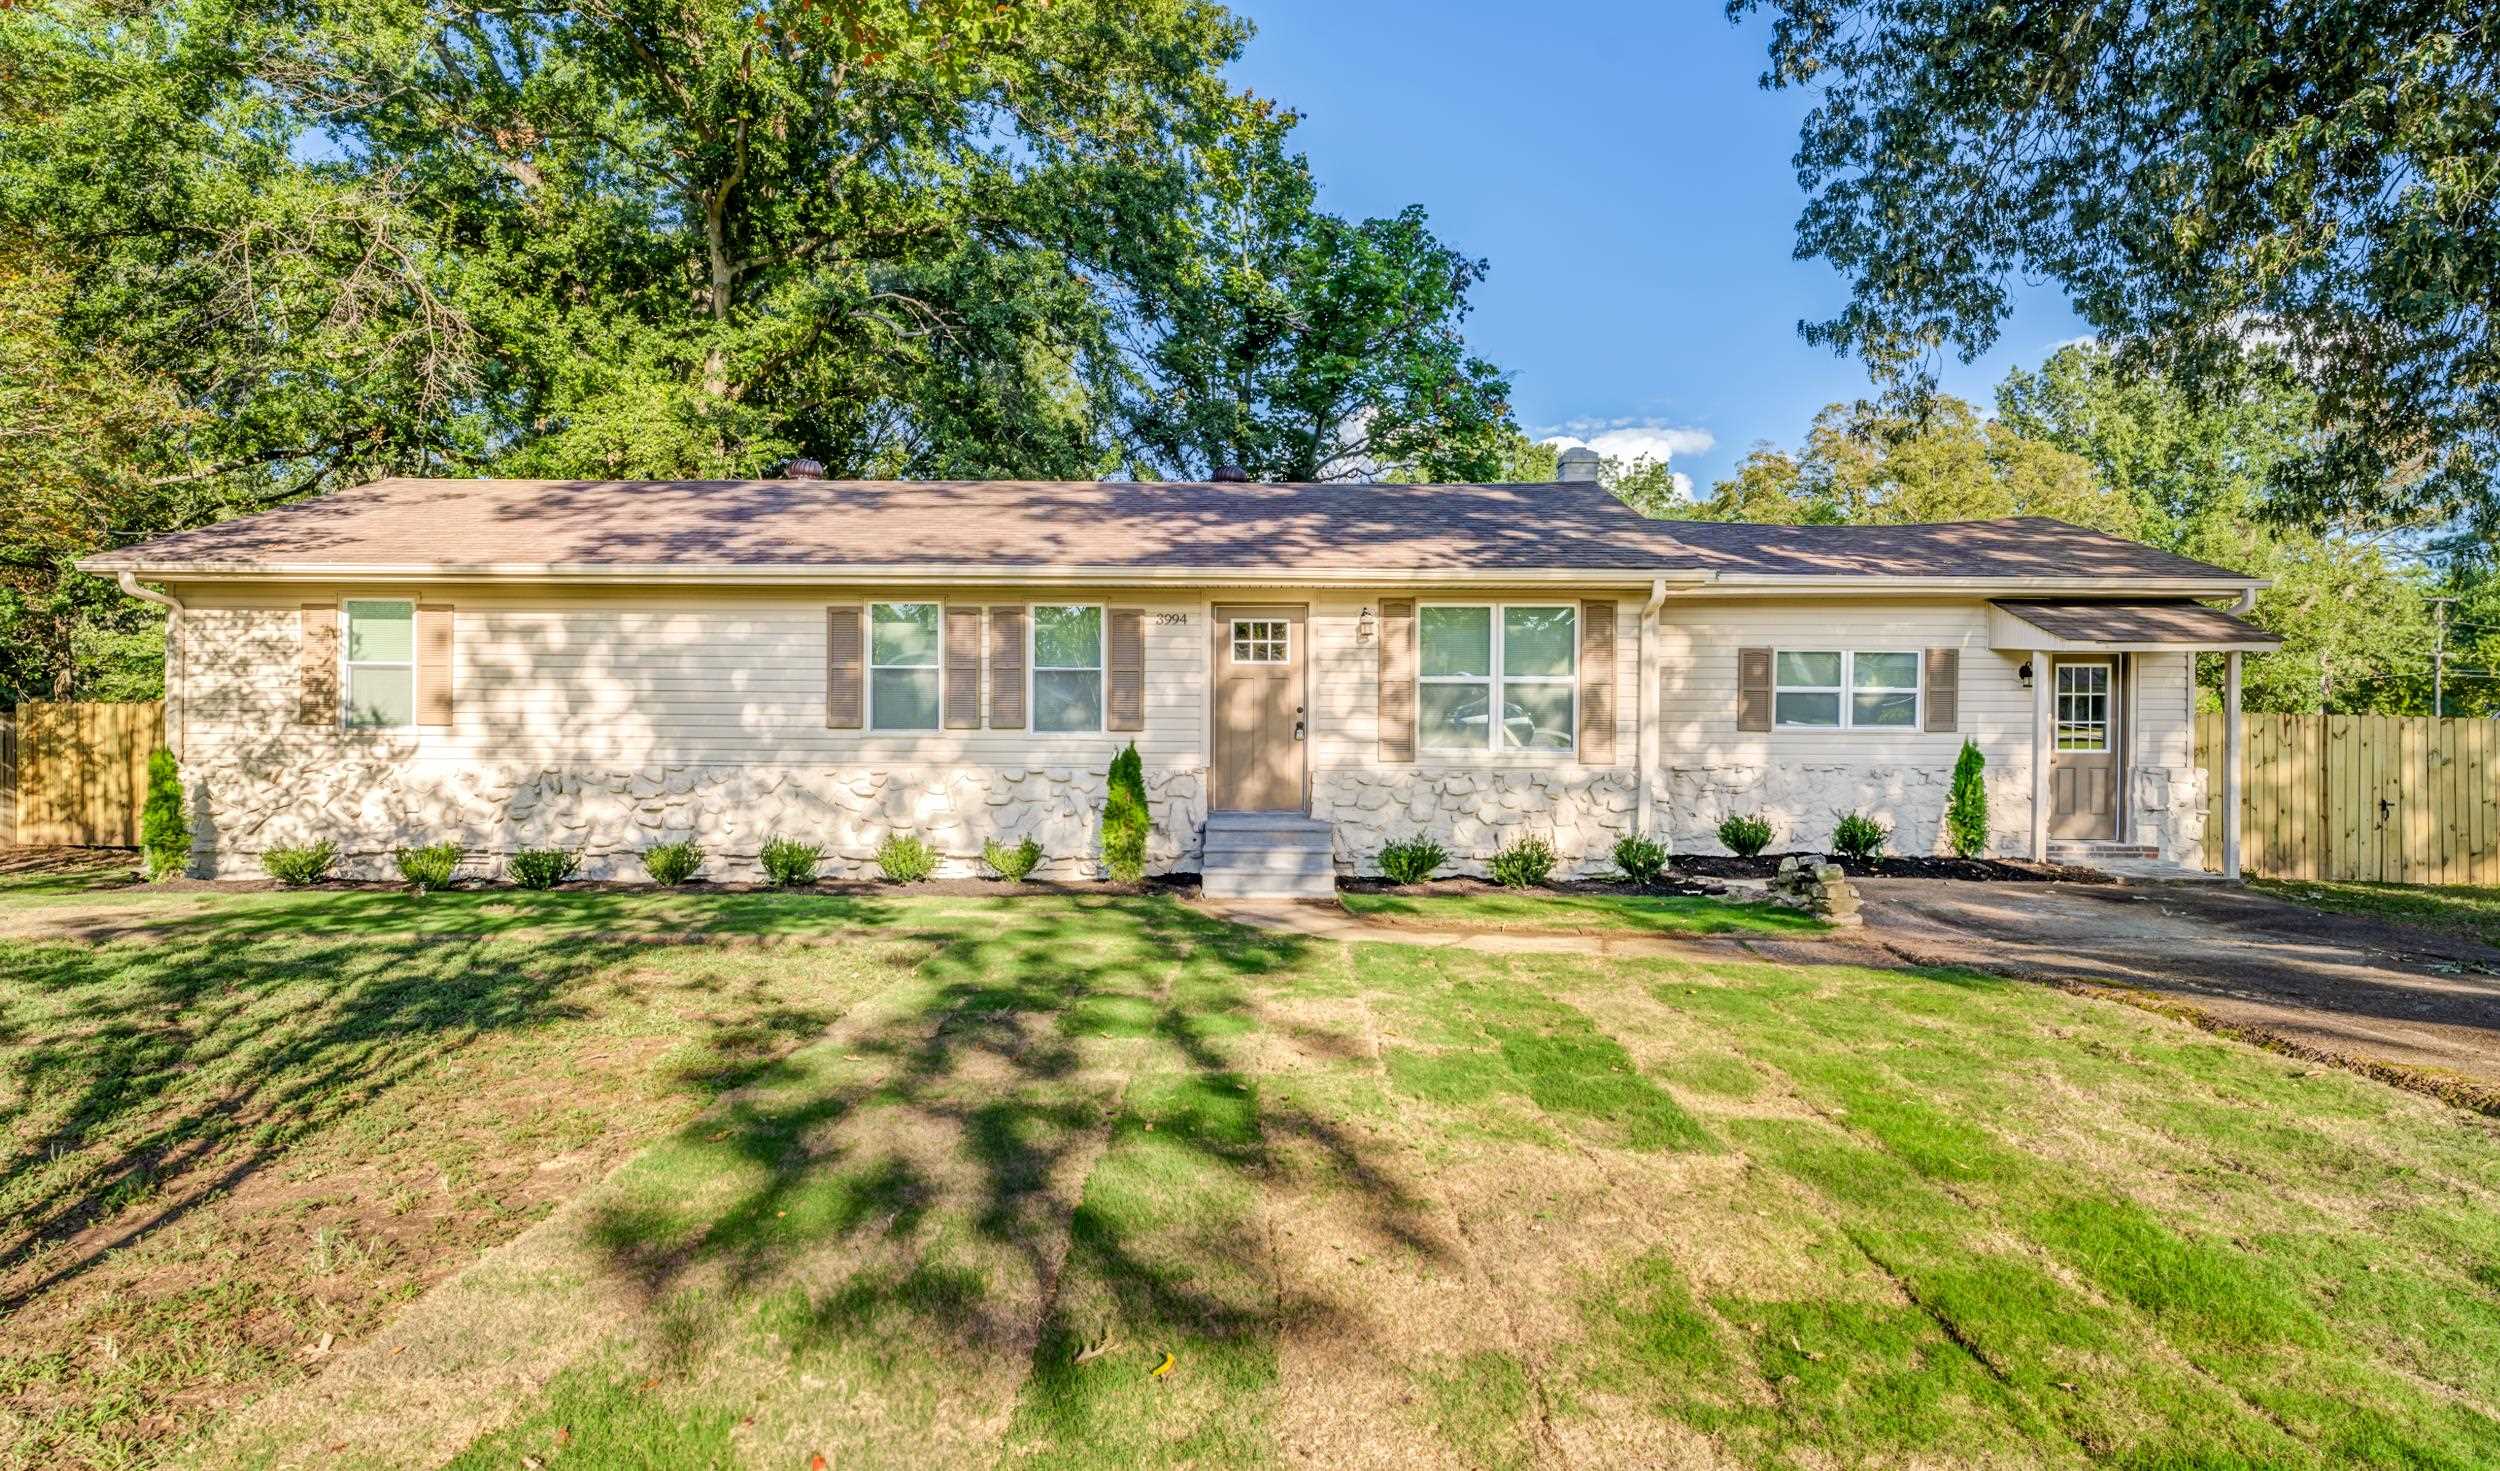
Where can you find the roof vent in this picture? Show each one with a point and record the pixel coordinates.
(803, 469)
(1230, 475)
(1578, 463)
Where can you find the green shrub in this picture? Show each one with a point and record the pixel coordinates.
(296, 867)
(429, 867)
(1643, 860)
(1745, 837)
(1524, 864)
(1966, 810)
(1126, 821)
(671, 864)
(542, 868)
(789, 862)
(1413, 861)
(906, 859)
(1011, 864)
(164, 833)
(1860, 837)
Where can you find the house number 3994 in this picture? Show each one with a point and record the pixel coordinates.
(1167, 620)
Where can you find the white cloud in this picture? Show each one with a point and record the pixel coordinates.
(1683, 484)
(1634, 440)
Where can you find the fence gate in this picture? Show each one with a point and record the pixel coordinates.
(2399, 799)
(82, 772)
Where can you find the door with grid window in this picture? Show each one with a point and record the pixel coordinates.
(2083, 762)
(1260, 719)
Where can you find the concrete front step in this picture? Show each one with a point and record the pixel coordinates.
(1267, 855)
(1268, 885)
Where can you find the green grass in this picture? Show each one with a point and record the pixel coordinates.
(943, 1181)
(2459, 908)
(1568, 913)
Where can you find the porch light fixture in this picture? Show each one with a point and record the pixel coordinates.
(2024, 674)
(1363, 627)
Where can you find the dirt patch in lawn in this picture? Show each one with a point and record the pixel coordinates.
(1969, 870)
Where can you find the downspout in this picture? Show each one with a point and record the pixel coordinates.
(1645, 707)
(2246, 603)
(174, 668)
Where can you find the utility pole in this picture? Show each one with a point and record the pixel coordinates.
(2439, 658)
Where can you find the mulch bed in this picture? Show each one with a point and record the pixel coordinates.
(956, 888)
(1671, 886)
(1981, 870)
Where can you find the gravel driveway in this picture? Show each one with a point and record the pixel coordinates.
(2358, 988)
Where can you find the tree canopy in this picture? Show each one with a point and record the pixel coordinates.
(259, 248)
(2200, 179)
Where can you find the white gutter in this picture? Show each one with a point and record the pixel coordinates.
(2248, 599)
(173, 654)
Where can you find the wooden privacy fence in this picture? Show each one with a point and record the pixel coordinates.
(82, 772)
(2398, 799)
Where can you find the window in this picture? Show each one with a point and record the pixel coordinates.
(1834, 690)
(2083, 707)
(381, 664)
(903, 666)
(1498, 678)
(1067, 668)
(1261, 641)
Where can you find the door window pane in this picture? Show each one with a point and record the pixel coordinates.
(1451, 717)
(2083, 707)
(1262, 641)
(1540, 640)
(1457, 642)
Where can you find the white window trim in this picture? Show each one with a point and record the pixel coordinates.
(1100, 669)
(1495, 680)
(868, 705)
(348, 667)
(1848, 688)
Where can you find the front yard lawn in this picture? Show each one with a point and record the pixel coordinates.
(1571, 913)
(942, 1182)
(2458, 908)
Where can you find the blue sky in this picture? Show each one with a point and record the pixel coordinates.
(1629, 182)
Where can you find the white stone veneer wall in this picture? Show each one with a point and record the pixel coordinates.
(1475, 811)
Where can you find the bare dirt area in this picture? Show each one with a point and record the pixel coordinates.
(1892, 866)
(2339, 987)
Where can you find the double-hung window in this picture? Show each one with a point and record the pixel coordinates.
(903, 666)
(1833, 689)
(1498, 677)
(1067, 667)
(381, 664)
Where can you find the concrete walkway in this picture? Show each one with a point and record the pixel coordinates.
(1326, 919)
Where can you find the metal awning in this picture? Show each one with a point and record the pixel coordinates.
(2136, 627)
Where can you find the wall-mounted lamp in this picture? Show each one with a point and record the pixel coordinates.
(1363, 627)
(2024, 674)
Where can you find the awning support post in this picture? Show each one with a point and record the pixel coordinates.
(2231, 765)
(2043, 743)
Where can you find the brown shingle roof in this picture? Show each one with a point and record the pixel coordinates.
(2184, 624)
(1115, 526)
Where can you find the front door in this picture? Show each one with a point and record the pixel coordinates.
(2083, 770)
(1259, 715)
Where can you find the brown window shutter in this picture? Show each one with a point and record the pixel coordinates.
(845, 699)
(1944, 689)
(963, 668)
(1397, 679)
(434, 687)
(317, 666)
(1124, 701)
(1753, 689)
(1006, 669)
(1597, 684)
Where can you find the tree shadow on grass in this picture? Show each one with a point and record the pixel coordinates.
(983, 1110)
